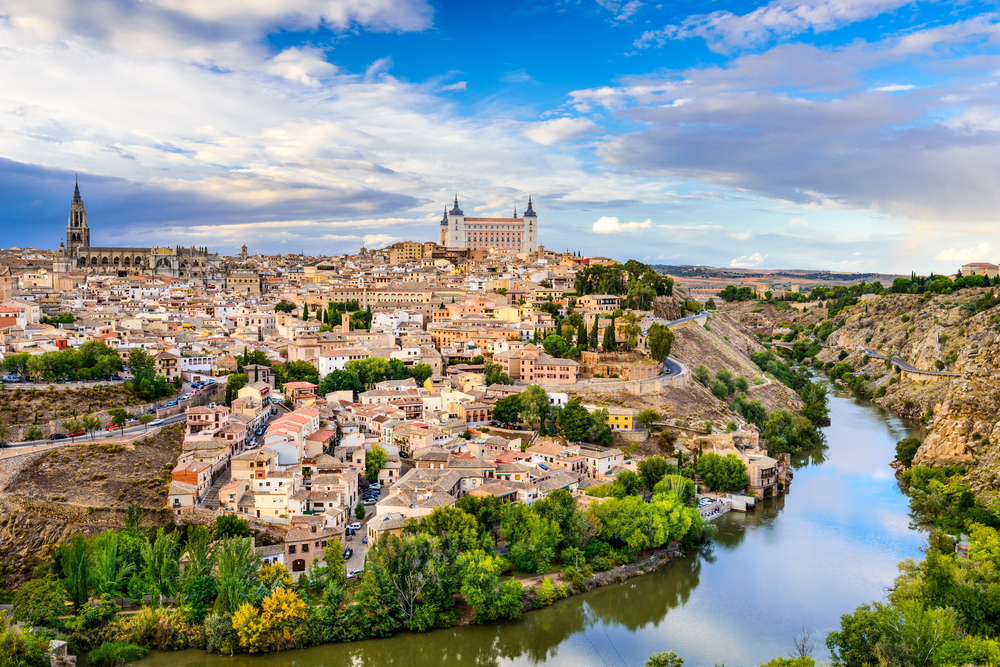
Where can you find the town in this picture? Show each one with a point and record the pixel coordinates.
(338, 398)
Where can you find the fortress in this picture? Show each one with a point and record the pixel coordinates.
(511, 235)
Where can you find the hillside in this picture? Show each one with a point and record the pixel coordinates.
(955, 333)
(724, 344)
(81, 489)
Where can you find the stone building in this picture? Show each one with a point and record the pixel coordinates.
(511, 235)
(76, 254)
(6, 284)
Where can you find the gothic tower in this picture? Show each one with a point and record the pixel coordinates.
(77, 231)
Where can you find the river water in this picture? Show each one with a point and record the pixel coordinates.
(830, 544)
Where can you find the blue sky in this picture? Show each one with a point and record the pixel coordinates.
(855, 135)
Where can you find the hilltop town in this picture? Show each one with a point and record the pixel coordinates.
(320, 397)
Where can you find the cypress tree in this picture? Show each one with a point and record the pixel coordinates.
(609, 336)
(305, 312)
(593, 334)
(581, 335)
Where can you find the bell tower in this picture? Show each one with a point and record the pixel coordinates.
(77, 231)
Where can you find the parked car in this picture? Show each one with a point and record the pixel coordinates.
(57, 436)
(369, 501)
(404, 455)
(349, 532)
(110, 427)
(274, 411)
(354, 526)
(348, 553)
(364, 540)
(252, 442)
(11, 378)
(259, 431)
(76, 433)
(354, 573)
(377, 486)
(170, 404)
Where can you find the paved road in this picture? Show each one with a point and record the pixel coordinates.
(672, 367)
(101, 435)
(689, 318)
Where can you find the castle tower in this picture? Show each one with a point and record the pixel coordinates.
(530, 229)
(444, 229)
(456, 227)
(77, 231)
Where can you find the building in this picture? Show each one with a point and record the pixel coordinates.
(511, 235)
(405, 251)
(244, 281)
(6, 284)
(195, 264)
(991, 271)
(529, 364)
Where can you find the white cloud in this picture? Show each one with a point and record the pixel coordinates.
(304, 65)
(549, 132)
(460, 85)
(623, 10)
(689, 228)
(894, 88)
(379, 66)
(977, 253)
(798, 222)
(741, 236)
(610, 225)
(748, 261)
(518, 76)
(379, 240)
(725, 31)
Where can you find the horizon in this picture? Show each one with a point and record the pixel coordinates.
(843, 136)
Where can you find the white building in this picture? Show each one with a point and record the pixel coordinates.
(512, 235)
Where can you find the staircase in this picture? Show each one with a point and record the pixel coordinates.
(211, 499)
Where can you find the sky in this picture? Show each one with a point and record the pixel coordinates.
(848, 135)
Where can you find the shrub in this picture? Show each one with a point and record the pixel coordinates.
(546, 594)
(906, 450)
(116, 654)
(220, 637)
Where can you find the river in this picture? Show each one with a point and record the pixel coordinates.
(830, 544)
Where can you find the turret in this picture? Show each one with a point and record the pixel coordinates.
(530, 228)
(456, 227)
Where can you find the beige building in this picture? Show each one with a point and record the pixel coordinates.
(512, 235)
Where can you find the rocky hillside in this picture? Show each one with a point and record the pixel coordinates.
(953, 333)
(81, 489)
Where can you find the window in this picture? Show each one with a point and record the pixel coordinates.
(291, 548)
(305, 548)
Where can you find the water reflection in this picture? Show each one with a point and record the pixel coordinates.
(829, 545)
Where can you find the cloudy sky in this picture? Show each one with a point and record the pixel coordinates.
(852, 135)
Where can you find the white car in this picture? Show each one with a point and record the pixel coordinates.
(156, 422)
(354, 526)
(376, 486)
(354, 573)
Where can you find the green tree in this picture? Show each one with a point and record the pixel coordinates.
(141, 362)
(285, 307)
(160, 570)
(628, 327)
(646, 418)
(581, 335)
(493, 374)
(703, 375)
(534, 405)
(725, 473)
(72, 426)
(663, 659)
(652, 469)
(786, 431)
(860, 632)
(305, 311)
(237, 564)
(911, 634)
(119, 418)
(339, 380)
(906, 449)
(33, 433)
(146, 419)
(39, 602)
(375, 460)
(228, 526)
(592, 338)
(110, 571)
(234, 383)
(75, 564)
(482, 589)
(359, 511)
(532, 539)
(628, 484)
(555, 345)
(90, 423)
(574, 420)
(507, 409)
(610, 339)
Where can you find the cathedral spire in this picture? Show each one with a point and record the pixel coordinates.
(530, 210)
(76, 191)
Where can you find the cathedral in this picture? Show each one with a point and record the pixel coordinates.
(192, 263)
(512, 235)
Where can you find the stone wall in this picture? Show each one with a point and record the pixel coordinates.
(10, 466)
(266, 532)
(660, 557)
